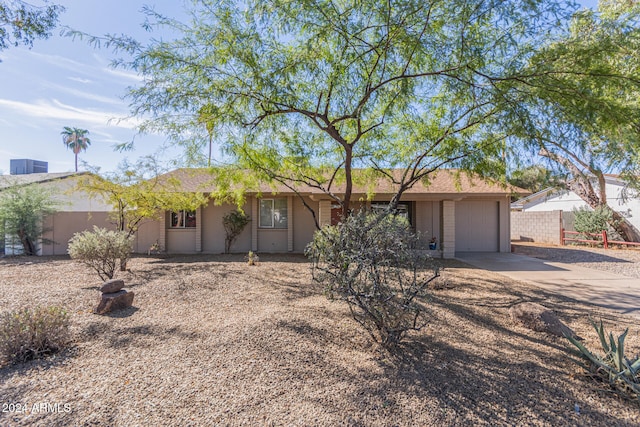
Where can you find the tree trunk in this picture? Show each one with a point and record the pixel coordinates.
(27, 244)
(348, 189)
(624, 228)
(210, 142)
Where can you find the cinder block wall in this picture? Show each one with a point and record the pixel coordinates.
(541, 227)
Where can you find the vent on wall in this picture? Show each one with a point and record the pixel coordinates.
(27, 166)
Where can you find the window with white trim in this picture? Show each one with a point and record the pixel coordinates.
(183, 219)
(273, 213)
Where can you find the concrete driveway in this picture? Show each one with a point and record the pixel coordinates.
(597, 287)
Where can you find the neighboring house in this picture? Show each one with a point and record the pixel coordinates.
(76, 211)
(558, 205)
(464, 215)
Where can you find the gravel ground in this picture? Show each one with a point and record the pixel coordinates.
(211, 341)
(625, 262)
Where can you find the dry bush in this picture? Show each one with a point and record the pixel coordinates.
(373, 262)
(28, 334)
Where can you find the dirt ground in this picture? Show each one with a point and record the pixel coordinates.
(212, 341)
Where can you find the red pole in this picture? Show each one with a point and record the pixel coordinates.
(604, 239)
(562, 237)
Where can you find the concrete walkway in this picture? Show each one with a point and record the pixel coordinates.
(597, 287)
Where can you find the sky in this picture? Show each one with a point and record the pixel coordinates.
(60, 82)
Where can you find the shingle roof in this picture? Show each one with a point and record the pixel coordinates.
(32, 178)
(445, 181)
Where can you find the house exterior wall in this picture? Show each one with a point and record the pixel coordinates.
(147, 235)
(505, 224)
(305, 226)
(272, 240)
(62, 226)
(181, 241)
(71, 200)
(427, 221)
(432, 218)
(448, 229)
(537, 226)
(213, 234)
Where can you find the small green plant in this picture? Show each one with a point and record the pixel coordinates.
(622, 373)
(252, 258)
(234, 222)
(101, 249)
(28, 334)
(590, 222)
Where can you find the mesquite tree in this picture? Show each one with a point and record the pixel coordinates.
(586, 119)
(303, 92)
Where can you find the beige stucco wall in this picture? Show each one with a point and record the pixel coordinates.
(427, 219)
(272, 240)
(432, 218)
(71, 200)
(304, 225)
(63, 225)
(181, 241)
(148, 234)
(213, 234)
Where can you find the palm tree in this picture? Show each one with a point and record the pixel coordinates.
(75, 139)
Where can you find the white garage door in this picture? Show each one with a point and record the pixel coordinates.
(477, 227)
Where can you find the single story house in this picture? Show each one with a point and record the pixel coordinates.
(540, 216)
(464, 214)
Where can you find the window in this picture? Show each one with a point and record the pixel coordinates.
(273, 213)
(403, 209)
(183, 219)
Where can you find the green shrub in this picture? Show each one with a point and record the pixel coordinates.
(371, 262)
(32, 333)
(22, 209)
(234, 222)
(622, 373)
(101, 249)
(589, 221)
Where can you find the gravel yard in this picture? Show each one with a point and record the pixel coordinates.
(212, 341)
(625, 262)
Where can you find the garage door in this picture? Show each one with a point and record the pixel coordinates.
(477, 226)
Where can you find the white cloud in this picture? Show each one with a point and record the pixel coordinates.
(80, 80)
(86, 94)
(124, 74)
(45, 109)
(59, 61)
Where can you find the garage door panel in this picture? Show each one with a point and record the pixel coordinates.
(477, 227)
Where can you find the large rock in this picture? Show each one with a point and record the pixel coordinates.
(111, 286)
(114, 301)
(539, 318)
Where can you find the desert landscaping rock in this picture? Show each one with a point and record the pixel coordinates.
(539, 318)
(114, 301)
(111, 286)
(216, 343)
